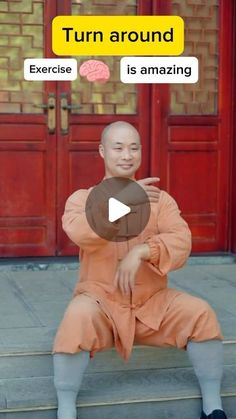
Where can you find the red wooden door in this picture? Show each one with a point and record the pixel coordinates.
(41, 166)
(192, 138)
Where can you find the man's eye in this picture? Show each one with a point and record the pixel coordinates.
(117, 148)
(134, 148)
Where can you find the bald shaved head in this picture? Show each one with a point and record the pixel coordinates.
(120, 149)
(111, 129)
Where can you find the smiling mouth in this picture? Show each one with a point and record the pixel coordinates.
(126, 166)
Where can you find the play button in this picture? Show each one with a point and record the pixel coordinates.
(117, 209)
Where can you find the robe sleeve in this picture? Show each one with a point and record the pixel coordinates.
(170, 248)
(76, 226)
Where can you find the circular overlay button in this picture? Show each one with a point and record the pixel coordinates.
(117, 209)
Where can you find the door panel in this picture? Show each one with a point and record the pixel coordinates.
(27, 150)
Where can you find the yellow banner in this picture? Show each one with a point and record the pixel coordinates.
(118, 35)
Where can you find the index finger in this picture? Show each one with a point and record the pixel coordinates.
(116, 279)
(151, 180)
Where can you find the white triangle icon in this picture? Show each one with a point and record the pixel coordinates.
(116, 209)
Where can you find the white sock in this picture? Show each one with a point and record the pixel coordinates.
(68, 373)
(207, 360)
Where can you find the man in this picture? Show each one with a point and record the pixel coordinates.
(122, 296)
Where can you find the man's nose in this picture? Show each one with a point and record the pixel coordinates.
(126, 154)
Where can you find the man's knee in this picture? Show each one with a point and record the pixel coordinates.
(194, 307)
(195, 320)
(202, 310)
(84, 326)
(82, 308)
(205, 322)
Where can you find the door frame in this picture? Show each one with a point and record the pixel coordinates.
(233, 171)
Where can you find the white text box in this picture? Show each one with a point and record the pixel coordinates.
(50, 69)
(159, 69)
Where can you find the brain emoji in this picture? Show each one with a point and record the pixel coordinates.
(95, 70)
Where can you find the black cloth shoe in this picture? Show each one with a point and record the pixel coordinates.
(216, 414)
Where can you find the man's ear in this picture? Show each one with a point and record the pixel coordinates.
(101, 150)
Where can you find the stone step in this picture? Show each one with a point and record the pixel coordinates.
(39, 364)
(169, 393)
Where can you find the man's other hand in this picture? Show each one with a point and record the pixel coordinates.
(153, 192)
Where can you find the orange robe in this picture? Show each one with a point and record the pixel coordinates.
(147, 308)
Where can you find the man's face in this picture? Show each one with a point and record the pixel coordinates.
(121, 151)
